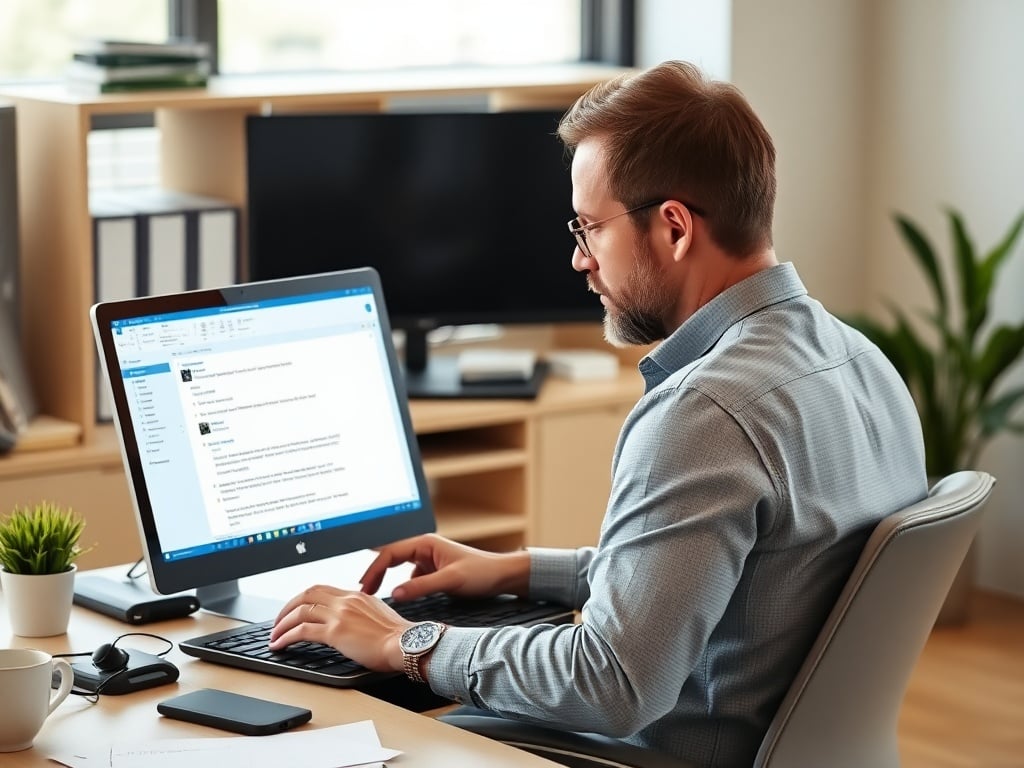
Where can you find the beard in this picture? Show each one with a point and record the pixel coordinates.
(637, 314)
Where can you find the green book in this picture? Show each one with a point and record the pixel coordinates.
(160, 83)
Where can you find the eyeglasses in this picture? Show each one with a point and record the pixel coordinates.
(579, 231)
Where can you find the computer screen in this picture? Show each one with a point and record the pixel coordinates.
(263, 426)
(463, 214)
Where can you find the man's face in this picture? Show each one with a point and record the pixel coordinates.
(623, 268)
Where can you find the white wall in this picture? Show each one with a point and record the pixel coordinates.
(799, 63)
(948, 131)
(694, 30)
(877, 106)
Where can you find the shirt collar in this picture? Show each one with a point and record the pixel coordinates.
(705, 327)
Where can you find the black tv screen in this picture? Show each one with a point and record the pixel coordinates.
(462, 214)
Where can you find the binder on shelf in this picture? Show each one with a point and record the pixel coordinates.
(211, 254)
(167, 265)
(115, 270)
(217, 251)
(149, 241)
(114, 249)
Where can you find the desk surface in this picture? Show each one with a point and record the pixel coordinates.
(424, 741)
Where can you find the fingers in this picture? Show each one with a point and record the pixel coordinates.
(316, 594)
(413, 550)
(444, 580)
(360, 626)
(299, 624)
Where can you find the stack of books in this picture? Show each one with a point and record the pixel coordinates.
(119, 66)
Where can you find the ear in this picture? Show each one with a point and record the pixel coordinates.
(678, 223)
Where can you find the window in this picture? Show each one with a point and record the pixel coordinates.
(352, 35)
(37, 37)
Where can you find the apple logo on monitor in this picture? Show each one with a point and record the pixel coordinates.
(301, 547)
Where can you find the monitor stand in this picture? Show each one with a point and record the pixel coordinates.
(437, 376)
(225, 599)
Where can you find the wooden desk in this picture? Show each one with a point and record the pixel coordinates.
(426, 743)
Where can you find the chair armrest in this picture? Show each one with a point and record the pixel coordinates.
(579, 750)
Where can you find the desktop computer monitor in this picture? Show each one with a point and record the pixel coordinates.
(262, 426)
(463, 214)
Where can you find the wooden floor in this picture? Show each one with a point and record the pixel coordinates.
(965, 703)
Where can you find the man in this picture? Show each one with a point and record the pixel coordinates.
(769, 441)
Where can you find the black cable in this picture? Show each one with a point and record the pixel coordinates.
(131, 571)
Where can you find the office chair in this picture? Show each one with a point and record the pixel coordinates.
(842, 708)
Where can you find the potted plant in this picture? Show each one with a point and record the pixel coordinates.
(38, 549)
(953, 370)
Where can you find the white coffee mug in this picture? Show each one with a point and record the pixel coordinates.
(26, 694)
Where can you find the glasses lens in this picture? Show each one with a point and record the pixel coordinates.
(581, 236)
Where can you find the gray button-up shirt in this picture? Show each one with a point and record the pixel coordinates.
(769, 441)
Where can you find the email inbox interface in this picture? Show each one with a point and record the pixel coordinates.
(264, 419)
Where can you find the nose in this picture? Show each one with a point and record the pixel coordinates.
(581, 262)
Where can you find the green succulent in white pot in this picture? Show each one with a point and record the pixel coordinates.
(955, 370)
(38, 549)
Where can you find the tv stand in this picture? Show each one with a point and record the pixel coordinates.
(437, 376)
(441, 379)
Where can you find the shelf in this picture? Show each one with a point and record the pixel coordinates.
(468, 524)
(202, 134)
(46, 433)
(333, 91)
(464, 462)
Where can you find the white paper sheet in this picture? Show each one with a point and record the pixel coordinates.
(339, 746)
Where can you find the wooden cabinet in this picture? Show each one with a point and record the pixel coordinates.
(202, 139)
(501, 473)
(573, 455)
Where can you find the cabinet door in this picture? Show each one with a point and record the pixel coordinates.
(573, 475)
(100, 496)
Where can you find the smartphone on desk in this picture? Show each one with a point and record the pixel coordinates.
(234, 712)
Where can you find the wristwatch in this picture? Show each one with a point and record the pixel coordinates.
(416, 642)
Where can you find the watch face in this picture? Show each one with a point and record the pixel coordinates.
(420, 637)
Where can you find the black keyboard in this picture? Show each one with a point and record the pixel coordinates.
(246, 646)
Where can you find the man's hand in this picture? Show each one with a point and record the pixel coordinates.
(360, 626)
(442, 565)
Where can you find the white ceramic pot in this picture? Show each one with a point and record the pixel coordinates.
(39, 605)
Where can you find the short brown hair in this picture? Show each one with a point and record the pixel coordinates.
(671, 133)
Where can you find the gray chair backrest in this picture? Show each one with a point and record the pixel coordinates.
(841, 710)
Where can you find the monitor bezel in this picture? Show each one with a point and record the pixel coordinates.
(229, 565)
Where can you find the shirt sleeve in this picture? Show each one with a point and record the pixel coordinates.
(689, 495)
(560, 575)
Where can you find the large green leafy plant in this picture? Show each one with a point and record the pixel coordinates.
(952, 369)
(40, 540)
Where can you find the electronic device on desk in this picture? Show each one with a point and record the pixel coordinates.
(130, 601)
(462, 214)
(263, 426)
(114, 670)
(234, 712)
(139, 671)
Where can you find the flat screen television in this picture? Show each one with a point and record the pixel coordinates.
(462, 214)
